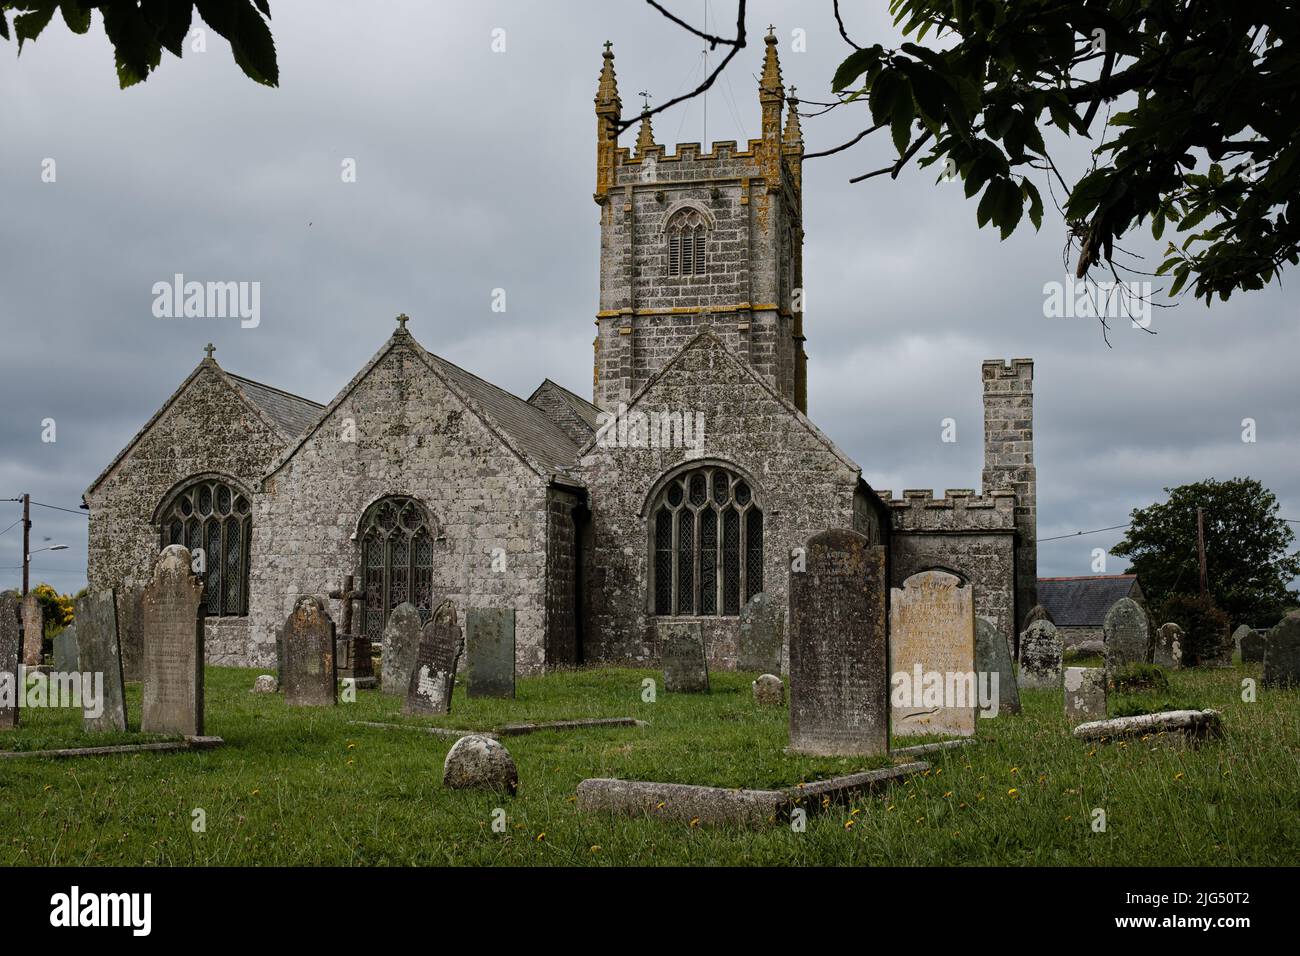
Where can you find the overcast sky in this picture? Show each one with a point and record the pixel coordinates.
(475, 171)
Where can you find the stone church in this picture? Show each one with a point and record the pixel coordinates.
(679, 491)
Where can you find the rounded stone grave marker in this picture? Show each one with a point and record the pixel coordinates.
(476, 762)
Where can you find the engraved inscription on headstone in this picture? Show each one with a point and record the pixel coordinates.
(490, 652)
(434, 675)
(932, 632)
(762, 635)
(839, 681)
(683, 657)
(33, 629)
(99, 652)
(10, 658)
(401, 644)
(173, 647)
(310, 667)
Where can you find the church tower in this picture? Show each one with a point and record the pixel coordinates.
(690, 239)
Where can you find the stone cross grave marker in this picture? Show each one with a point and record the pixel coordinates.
(33, 629)
(1085, 694)
(401, 644)
(762, 635)
(353, 656)
(839, 681)
(1040, 656)
(1127, 635)
(490, 652)
(993, 656)
(310, 667)
(932, 628)
(683, 656)
(173, 647)
(434, 676)
(100, 652)
(10, 659)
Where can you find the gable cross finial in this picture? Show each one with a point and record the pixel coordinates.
(645, 101)
(209, 349)
(402, 320)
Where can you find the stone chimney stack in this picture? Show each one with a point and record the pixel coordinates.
(1009, 464)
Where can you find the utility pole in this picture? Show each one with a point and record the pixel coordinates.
(1200, 547)
(27, 538)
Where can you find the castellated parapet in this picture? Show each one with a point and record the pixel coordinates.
(959, 510)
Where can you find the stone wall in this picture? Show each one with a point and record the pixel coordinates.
(209, 428)
(561, 577)
(413, 436)
(1009, 462)
(801, 483)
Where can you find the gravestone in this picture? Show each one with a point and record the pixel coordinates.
(10, 658)
(130, 615)
(1169, 645)
(932, 630)
(401, 642)
(1282, 653)
(490, 652)
(1040, 656)
(762, 635)
(66, 652)
(682, 654)
(1038, 613)
(479, 762)
(993, 656)
(839, 655)
(1085, 694)
(100, 653)
(1252, 647)
(769, 691)
(434, 675)
(310, 672)
(1128, 636)
(33, 629)
(173, 647)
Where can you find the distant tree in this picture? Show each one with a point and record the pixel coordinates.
(140, 30)
(1248, 566)
(1207, 631)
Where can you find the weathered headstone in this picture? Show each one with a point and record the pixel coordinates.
(932, 632)
(434, 675)
(839, 656)
(33, 629)
(1128, 637)
(66, 651)
(1282, 653)
(762, 635)
(173, 647)
(1038, 613)
(769, 691)
(10, 659)
(100, 653)
(130, 616)
(478, 762)
(310, 667)
(1040, 656)
(265, 684)
(1252, 647)
(1169, 646)
(490, 652)
(683, 656)
(993, 656)
(401, 643)
(1085, 694)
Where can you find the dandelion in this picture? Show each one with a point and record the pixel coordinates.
(947, 795)
(889, 809)
(848, 824)
(352, 746)
(1013, 792)
(572, 799)
(595, 848)
(1015, 770)
(695, 822)
(1178, 775)
(1069, 817)
(856, 811)
(659, 805)
(256, 792)
(541, 836)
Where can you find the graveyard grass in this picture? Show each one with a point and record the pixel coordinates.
(300, 787)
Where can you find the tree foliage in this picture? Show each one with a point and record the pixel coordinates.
(1248, 566)
(1205, 143)
(140, 30)
(1207, 631)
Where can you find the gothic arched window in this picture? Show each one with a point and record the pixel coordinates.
(706, 544)
(215, 516)
(687, 235)
(397, 539)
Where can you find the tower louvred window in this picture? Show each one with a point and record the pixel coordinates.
(213, 516)
(687, 242)
(706, 547)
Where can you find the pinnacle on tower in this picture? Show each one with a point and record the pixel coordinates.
(645, 137)
(771, 86)
(793, 131)
(608, 110)
(607, 91)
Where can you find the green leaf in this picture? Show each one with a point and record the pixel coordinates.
(1035, 203)
(988, 203)
(853, 67)
(1010, 207)
(171, 21)
(1180, 279)
(4, 24)
(28, 26)
(75, 16)
(250, 38)
(903, 114)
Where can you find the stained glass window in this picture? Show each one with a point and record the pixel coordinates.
(212, 515)
(397, 551)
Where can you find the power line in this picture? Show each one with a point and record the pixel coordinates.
(12, 526)
(71, 511)
(1075, 534)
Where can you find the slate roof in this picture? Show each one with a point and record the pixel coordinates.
(292, 414)
(1083, 601)
(582, 408)
(527, 426)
